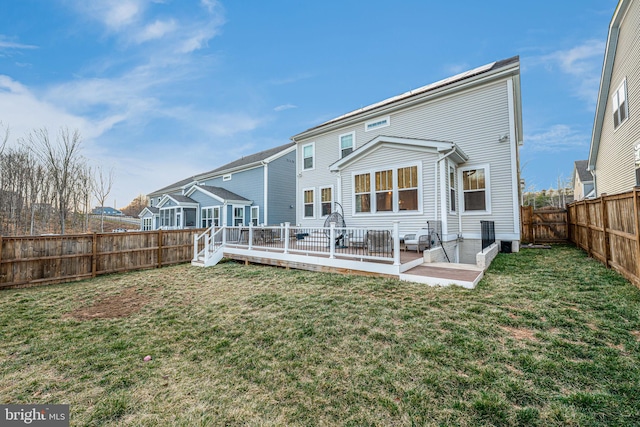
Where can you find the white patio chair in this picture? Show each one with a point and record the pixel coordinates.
(419, 241)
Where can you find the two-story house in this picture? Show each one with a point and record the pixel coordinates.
(255, 189)
(614, 156)
(446, 153)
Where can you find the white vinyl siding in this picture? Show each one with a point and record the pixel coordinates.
(472, 119)
(615, 165)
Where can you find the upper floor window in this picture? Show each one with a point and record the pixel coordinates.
(620, 105)
(307, 156)
(347, 144)
(380, 122)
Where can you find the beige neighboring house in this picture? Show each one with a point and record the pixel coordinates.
(614, 157)
(582, 181)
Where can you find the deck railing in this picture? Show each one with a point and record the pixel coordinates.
(334, 242)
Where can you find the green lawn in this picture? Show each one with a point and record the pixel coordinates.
(549, 337)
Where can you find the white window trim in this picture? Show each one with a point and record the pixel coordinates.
(315, 208)
(202, 218)
(378, 119)
(622, 85)
(455, 189)
(372, 191)
(313, 156)
(257, 217)
(226, 177)
(487, 190)
(333, 198)
(353, 143)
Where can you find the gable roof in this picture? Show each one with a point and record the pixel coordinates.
(452, 149)
(383, 107)
(581, 169)
(178, 198)
(244, 162)
(151, 209)
(218, 193)
(605, 80)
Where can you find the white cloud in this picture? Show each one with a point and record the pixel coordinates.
(5, 44)
(115, 15)
(557, 138)
(583, 63)
(285, 107)
(156, 30)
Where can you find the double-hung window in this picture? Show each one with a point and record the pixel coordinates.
(238, 215)
(384, 191)
(206, 215)
(326, 200)
(475, 189)
(146, 224)
(308, 203)
(347, 144)
(362, 186)
(620, 105)
(452, 189)
(255, 215)
(307, 156)
(408, 188)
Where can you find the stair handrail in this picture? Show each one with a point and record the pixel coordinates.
(209, 242)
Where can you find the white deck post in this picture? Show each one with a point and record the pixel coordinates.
(250, 236)
(195, 247)
(332, 240)
(396, 242)
(207, 242)
(286, 237)
(224, 235)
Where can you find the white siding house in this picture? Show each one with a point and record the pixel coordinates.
(614, 157)
(446, 153)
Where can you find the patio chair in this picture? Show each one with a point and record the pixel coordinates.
(419, 241)
(378, 241)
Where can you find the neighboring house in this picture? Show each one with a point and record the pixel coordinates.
(106, 210)
(614, 156)
(255, 189)
(582, 181)
(446, 152)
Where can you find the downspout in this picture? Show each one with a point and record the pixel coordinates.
(595, 184)
(441, 158)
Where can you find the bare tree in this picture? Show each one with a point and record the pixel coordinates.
(102, 187)
(63, 160)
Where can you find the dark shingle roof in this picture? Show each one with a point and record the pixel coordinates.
(243, 161)
(153, 209)
(222, 193)
(182, 199)
(583, 173)
(248, 160)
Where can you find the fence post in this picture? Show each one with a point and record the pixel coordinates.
(605, 226)
(588, 225)
(636, 211)
(94, 255)
(160, 248)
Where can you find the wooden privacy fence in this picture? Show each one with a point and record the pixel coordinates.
(30, 260)
(544, 225)
(608, 228)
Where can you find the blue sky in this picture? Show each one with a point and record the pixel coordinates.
(162, 90)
